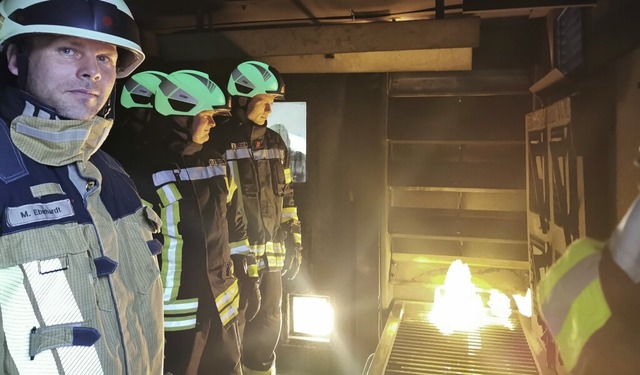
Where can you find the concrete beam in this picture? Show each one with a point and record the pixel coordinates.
(371, 62)
(321, 40)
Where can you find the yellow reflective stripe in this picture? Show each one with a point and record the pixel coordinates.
(297, 237)
(171, 252)
(577, 251)
(228, 303)
(227, 296)
(289, 213)
(248, 371)
(275, 255)
(278, 249)
(240, 247)
(258, 250)
(235, 176)
(145, 203)
(180, 315)
(252, 270)
(588, 313)
(180, 323)
(287, 175)
(231, 311)
(168, 194)
(231, 187)
(571, 299)
(181, 306)
(275, 262)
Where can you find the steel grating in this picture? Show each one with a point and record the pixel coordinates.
(420, 348)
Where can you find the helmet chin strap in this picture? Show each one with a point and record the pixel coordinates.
(109, 110)
(183, 129)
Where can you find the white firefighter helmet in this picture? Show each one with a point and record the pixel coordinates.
(108, 21)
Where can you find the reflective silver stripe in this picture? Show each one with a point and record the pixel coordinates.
(238, 153)
(271, 153)
(241, 248)
(231, 311)
(29, 109)
(258, 250)
(181, 306)
(56, 137)
(18, 318)
(228, 303)
(625, 242)
(57, 305)
(169, 194)
(289, 213)
(171, 251)
(188, 174)
(227, 295)
(179, 324)
(556, 308)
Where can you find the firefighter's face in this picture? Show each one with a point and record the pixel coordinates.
(259, 108)
(201, 125)
(73, 75)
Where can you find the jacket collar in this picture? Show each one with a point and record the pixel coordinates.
(41, 134)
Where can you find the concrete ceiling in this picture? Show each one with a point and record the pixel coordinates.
(311, 36)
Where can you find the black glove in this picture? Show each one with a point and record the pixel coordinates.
(246, 270)
(292, 260)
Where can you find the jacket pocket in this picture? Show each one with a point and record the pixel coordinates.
(279, 178)
(138, 261)
(57, 272)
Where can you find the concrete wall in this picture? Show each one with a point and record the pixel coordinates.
(627, 130)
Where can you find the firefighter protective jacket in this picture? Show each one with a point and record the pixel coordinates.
(80, 290)
(590, 301)
(187, 185)
(259, 163)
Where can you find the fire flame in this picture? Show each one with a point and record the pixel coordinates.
(524, 303)
(458, 306)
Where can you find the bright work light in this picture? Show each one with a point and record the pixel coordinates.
(310, 317)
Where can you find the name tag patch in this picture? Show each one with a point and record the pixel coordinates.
(32, 213)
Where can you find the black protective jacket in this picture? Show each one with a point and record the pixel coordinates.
(259, 164)
(187, 185)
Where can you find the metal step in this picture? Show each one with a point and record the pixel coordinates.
(410, 344)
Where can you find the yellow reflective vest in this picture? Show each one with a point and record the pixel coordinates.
(571, 299)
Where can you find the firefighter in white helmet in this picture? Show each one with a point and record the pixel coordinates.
(186, 183)
(590, 301)
(259, 163)
(81, 290)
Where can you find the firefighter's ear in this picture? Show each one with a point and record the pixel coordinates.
(12, 58)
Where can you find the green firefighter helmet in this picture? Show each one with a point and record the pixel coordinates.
(139, 90)
(251, 78)
(189, 92)
(108, 21)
